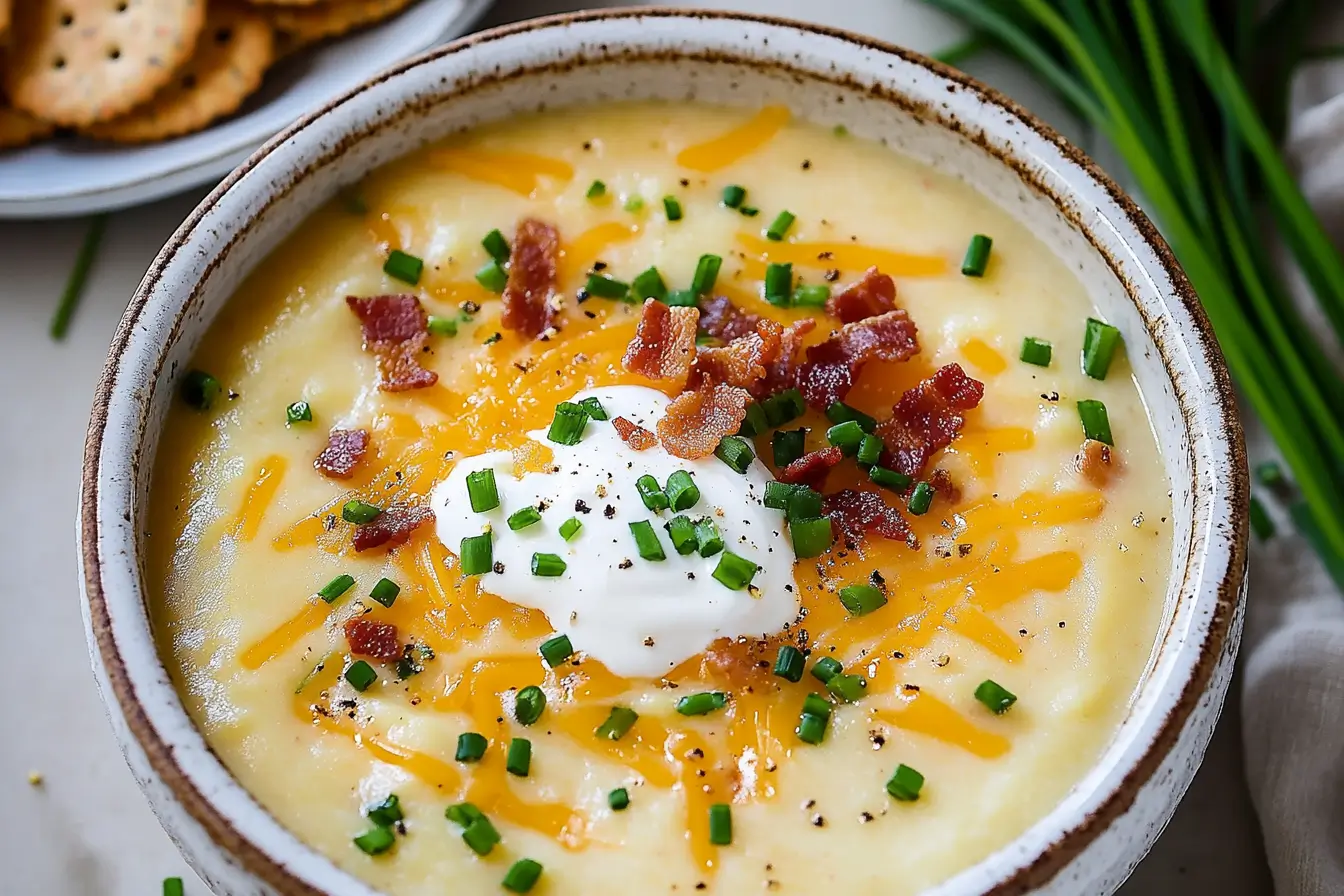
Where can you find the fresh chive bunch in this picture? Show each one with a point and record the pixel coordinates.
(1194, 102)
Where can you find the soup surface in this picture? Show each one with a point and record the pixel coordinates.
(980, 589)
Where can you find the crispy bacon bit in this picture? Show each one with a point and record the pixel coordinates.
(742, 362)
(942, 483)
(664, 344)
(720, 318)
(811, 468)
(833, 366)
(928, 417)
(345, 449)
(378, 640)
(856, 513)
(634, 435)
(1094, 462)
(782, 373)
(871, 295)
(396, 329)
(533, 266)
(392, 527)
(695, 421)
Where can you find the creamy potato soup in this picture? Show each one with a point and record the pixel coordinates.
(658, 498)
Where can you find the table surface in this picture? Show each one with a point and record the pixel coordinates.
(85, 829)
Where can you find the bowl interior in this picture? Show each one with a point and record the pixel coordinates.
(917, 110)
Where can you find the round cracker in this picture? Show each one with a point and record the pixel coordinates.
(19, 128)
(76, 62)
(6, 13)
(232, 54)
(303, 25)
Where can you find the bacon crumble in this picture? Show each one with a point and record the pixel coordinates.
(720, 318)
(833, 366)
(695, 421)
(872, 294)
(344, 450)
(1094, 462)
(782, 373)
(391, 527)
(811, 468)
(396, 331)
(742, 362)
(533, 272)
(928, 417)
(664, 343)
(634, 435)
(377, 640)
(856, 513)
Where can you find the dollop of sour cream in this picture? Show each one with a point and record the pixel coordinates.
(639, 617)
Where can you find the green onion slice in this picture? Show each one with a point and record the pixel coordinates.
(736, 453)
(788, 445)
(889, 479)
(1096, 423)
(359, 512)
(1100, 341)
(299, 412)
(491, 276)
(779, 283)
(556, 650)
(619, 722)
(706, 273)
(734, 572)
(1036, 351)
(477, 554)
(995, 697)
(682, 533)
(518, 760)
(780, 226)
(200, 389)
(682, 492)
(651, 493)
(570, 527)
(702, 703)
(496, 246)
(811, 295)
(404, 267)
(721, 824)
(373, 842)
(522, 876)
(529, 704)
(568, 424)
(482, 490)
(905, 784)
(618, 799)
(672, 208)
(733, 195)
(548, 565)
(920, 499)
(336, 587)
(524, 517)
(385, 592)
(811, 537)
(386, 813)
(789, 663)
(977, 256)
(646, 541)
(649, 285)
(606, 287)
(860, 600)
(470, 746)
(360, 675)
(826, 668)
(708, 539)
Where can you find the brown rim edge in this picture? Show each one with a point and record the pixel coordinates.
(1056, 855)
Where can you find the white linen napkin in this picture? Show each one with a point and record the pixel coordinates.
(1293, 647)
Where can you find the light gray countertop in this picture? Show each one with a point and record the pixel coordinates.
(86, 829)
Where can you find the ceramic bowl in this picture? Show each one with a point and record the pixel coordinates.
(1110, 818)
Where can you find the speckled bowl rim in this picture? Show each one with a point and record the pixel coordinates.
(1220, 404)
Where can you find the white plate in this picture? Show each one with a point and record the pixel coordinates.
(69, 177)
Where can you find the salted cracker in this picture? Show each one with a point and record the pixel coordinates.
(19, 128)
(6, 13)
(232, 54)
(300, 26)
(76, 62)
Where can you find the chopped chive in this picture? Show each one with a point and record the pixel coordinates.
(404, 267)
(470, 747)
(889, 479)
(755, 423)
(702, 703)
(977, 256)
(733, 195)
(548, 565)
(920, 499)
(648, 284)
(482, 491)
(200, 389)
(706, 273)
(811, 537)
(442, 326)
(596, 190)
(995, 696)
(777, 494)
(681, 298)
(521, 519)
(860, 600)
(905, 784)
(568, 424)
(672, 208)
(359, 512)
(299, 412)
(849, 688)
(811, 295)
(646, 541)
(846, 436)
(681, 490)
(749, 211)
(1096, 423)
(618, 799)
(870, 449)
(840, 131)
(373, 842)
(1270, 474)
(386, 813)
(519, 758)
(336, 587)
(172, 886)
(619, 722)
(556, 650)
(789, 663)
(413, 660)
(606, 287)
(651, 493)
(570, 527)
(682, 532)
(481, 836)
(839, 412)
(385, 592)
(721, 824)
(734, 572)
(736, 453)
(593, 408)
(360, 675)
(785, 407)
(817, 705)
(463, 814)
(811, 728)
(708, 540)
(522, 876)
(634, 203)
(1036, 351)
(1261, 524)
(491, 276)
(477, 554)
(496, 246)
(826, 668)
(529, 704)
(1099, 344)
(779, 283)
(780, 226)
(788, 445)
(804, 504)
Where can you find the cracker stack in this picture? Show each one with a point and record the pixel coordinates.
(136, 71)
